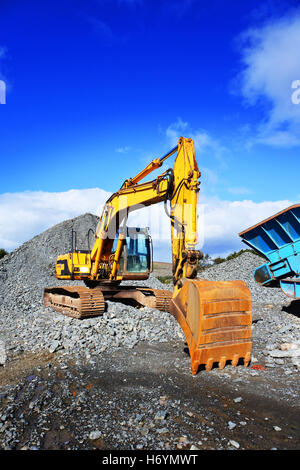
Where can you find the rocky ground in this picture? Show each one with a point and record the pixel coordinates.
(123, 381)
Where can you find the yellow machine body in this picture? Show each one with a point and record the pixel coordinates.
(77, 263)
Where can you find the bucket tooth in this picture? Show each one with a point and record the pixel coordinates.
(235, 360)
(247, 359)
(208, 364)
(222, 362)
(216, 318)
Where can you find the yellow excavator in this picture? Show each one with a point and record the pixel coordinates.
(215, 317)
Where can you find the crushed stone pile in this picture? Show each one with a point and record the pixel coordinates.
(29, 268)
(84, 387)
(27, 325)
(243, 268)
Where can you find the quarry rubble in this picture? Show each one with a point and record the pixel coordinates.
(122, 381)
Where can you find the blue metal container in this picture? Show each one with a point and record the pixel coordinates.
(278, 240)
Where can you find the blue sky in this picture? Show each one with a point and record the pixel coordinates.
(97, 89)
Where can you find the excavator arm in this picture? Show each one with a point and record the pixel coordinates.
(214, 316)
(180, 188)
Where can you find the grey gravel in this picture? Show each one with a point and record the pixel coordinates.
(242, 268)
(159, 409)
(27, 324)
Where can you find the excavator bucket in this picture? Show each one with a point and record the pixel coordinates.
(216, 319)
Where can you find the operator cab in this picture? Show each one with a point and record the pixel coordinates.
(137, 252)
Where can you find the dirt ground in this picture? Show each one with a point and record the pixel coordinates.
(234, 408)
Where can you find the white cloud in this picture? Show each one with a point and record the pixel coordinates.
(224, 220)
(125, 149)
(202, 140)
(208, 149)
(271, 65)
(103, 29)
(3, 55)
(2, 52)
(24, 215)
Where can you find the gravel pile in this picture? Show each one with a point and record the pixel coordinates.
(122, 381)
(27, 325)
(243, 268)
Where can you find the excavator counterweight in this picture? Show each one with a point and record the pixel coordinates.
(214, 316)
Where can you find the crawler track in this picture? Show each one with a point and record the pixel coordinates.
(76, 302)
(163, 298)
(83, 302)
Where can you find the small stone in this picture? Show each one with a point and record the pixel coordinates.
(276, 428)
(162, 431)
(234, 444)
(54, 346)
(296, 363)
(237, 400)
(231, 425)
(95, 435)
(3, 356)
(287, 346)
(161, 415)
(284, 329)
(163, 400)
(288, 353)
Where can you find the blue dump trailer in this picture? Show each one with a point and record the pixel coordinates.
(278, 240)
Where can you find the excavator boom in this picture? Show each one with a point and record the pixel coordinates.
(214, 316)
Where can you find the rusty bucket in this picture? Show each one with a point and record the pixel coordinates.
(216, 318)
